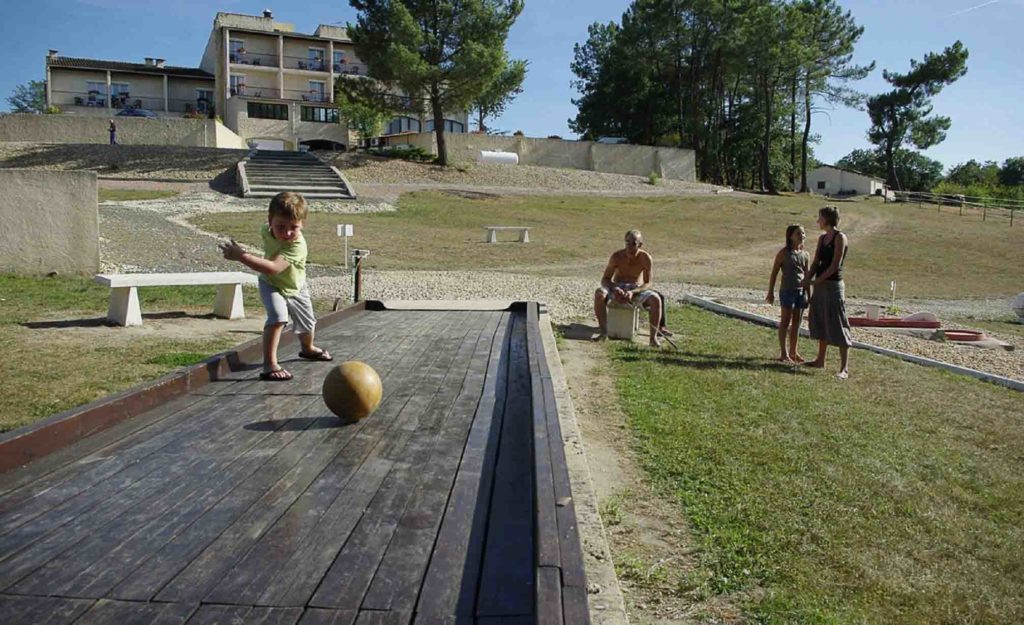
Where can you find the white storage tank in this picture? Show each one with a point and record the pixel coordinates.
(501, 158)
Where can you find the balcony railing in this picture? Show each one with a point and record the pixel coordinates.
(122, 101)
(351, 69)
(246, 91)
(306, 95)
(306, 63)
(254, 59)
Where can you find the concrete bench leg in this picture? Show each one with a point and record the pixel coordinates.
(228, 304)
(524, 236)
(124, 306)
(492, 236)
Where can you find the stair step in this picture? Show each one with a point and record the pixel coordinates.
(296, 187)
(308, 196)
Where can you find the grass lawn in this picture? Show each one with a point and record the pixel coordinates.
(48, 370)
(896, 496)
(726, 240)
(127, 195)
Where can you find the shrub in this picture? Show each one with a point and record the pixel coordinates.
(653, 178)
(411, 153)
(52, 110)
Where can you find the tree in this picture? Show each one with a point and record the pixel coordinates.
(1011, 174)
(974, 173)
(446, 51)
(29, 97)
(831, 37)
(914, 170)
(362, 112)
(903, 113)
(500, 93)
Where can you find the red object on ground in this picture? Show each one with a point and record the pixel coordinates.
(964, 335)
(891, 322)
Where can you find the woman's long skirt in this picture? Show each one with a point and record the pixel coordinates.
(827, 316)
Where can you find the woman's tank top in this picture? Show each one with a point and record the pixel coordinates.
(794, 267)
(826, 252)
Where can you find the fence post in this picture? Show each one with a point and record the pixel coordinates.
(984, 211)
(1011, 217)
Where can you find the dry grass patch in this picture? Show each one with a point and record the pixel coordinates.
(726, 240)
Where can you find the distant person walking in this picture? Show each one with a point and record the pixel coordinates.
(113, 133)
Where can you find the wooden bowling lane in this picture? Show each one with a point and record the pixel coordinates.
(249, 502)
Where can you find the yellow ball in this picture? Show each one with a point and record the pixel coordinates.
(352, 390)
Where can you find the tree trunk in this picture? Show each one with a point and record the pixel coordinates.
(480, 120)
(767, 183)
(437, 108)
(807, 134)
(890, 168)
(792, 130)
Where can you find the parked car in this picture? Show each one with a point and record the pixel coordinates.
(612, 140)
(137, 113)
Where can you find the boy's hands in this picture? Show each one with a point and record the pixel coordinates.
(231, 250)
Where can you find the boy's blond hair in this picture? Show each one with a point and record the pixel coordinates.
(289, 205)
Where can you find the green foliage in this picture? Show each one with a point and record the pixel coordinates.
(500, 93)
(444, 53)
(29, 98)
(1012, 172)
(178, 359)
(412, 153)
(915, 171)
(902, 114)
(364, 115)
(653, 178)
(728, 79)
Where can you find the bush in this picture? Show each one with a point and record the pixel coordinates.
(653, 179)
(410, 153)
(52, 110)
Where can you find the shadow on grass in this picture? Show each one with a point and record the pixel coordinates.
(692, 360)
(99, 322)
(109, 160)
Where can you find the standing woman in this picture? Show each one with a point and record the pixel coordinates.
(827, 318)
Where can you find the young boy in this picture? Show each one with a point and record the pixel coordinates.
(282, 281)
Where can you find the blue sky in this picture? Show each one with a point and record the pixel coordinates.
(987, 105)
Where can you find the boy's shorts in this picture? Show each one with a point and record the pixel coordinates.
(280, 309)
(793, 298)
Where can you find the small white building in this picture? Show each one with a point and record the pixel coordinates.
(829, 180)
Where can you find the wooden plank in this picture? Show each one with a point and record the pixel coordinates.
(397, 581)
(273, 616)
(106, 612)
(91, 576)
(180, 458)
(320, 616)
(507, 578)
(373, 617)
(574, 605)
(209, 568)
(293, 562)
(348, 578)
(40, 610)
(546, 525)
(549, 596)
(219, 615)
(453, 575)
(268, 503)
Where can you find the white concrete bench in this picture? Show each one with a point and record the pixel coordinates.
(492, 233)
(124, 297)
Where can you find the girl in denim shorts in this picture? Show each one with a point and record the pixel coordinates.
(793, 261)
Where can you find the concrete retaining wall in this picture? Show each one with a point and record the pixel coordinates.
(130, 130)
(50, 222)
(636, 160)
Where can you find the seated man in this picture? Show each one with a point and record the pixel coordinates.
(627, 280)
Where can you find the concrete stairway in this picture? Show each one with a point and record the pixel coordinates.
(265, 173)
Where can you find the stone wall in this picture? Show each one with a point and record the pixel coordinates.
(50, 222)
(130, 130)
(636, 160)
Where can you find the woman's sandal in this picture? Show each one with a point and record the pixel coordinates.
(322, 355)
(277, 375)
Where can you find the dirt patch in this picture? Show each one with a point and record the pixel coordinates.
(655, 556)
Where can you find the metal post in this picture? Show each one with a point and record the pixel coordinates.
(357, 262)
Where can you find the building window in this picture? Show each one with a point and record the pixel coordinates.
(321, 114)
(339, 60)
(821, 184)
(402, 124)
(237, 84)
(316, 59)
(266, 110)
(317, 91)
(449, 126)
(236, 49)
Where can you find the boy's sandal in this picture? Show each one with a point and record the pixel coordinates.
(323, 354)
(277, 375)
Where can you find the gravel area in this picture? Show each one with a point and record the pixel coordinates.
(999, 361)
(134, 162)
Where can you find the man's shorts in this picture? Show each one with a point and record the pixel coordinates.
(638, 298)
(280, 309)
(793, 298)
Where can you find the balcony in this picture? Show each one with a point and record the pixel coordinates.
(245, 91)
(253, 59)
(351, 69)
(306, 95)
(97, 100)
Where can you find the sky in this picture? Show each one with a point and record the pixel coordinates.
(986, 105)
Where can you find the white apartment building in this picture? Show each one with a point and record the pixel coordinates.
(270, 85)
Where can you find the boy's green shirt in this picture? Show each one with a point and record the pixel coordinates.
(290, 281)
